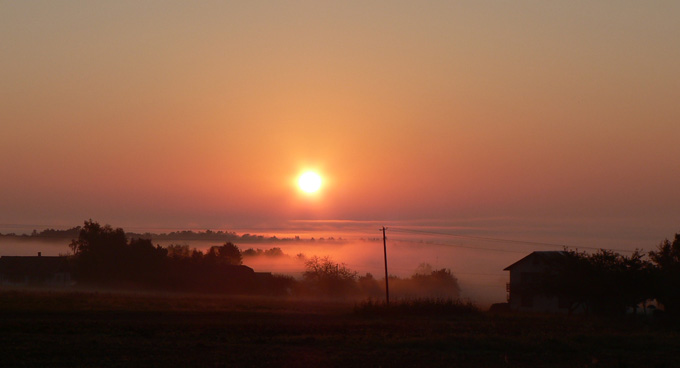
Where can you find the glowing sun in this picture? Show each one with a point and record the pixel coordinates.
(309, 182)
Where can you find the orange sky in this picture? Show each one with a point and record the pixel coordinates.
(179, 114)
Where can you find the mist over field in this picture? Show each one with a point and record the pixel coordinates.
(17, 246)
(481, 279)
(475, 252)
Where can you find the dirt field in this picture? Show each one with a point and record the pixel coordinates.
(55, 329)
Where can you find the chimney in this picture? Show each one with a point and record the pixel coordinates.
(39, 254)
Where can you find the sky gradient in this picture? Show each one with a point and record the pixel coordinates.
(202, 115)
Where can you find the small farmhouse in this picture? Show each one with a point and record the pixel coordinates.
(525, 274)
(34, 271)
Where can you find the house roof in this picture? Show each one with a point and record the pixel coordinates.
(545, 257)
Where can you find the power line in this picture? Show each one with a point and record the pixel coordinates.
(479, 237)
(462, 246)
(501, 240)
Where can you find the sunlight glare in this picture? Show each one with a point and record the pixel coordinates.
(309, 182)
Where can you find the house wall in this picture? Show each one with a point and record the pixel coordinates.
(34, 271)
(524, 273)
(60, 279)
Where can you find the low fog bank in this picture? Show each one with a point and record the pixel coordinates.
(477, 253)
(479, 275)
(475, 256)
(20, 246)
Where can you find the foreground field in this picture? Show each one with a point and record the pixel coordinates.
(52, 329)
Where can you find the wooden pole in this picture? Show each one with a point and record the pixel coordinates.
(387, 284)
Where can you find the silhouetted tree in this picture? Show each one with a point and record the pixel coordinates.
(604, 282)
(250, 252)
(228, 253)
(179, 251)
(272, 252)
(667, 274)
(369, 286)
(426, 282)
(99, 253)
(144, 263)
(103, 256)
(438, 283)
(325, 277)
(94, 238)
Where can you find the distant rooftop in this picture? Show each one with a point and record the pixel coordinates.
(550, 256)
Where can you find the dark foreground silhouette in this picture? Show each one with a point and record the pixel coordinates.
(99, 329)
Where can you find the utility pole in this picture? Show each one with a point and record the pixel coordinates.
(387, 284)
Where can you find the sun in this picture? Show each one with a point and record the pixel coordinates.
(309, 182)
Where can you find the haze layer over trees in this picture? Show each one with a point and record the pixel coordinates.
(106, 257)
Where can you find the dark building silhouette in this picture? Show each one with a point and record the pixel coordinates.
(526, 274)
(34, 271)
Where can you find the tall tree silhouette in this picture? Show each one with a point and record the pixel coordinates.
(228, 253)
(103, 255)
(667, 276)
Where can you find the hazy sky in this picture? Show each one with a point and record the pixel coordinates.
(202, 114)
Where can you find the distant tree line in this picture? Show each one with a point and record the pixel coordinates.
(608, 283)
(272, 252)
(226, 236)
(49, 233)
